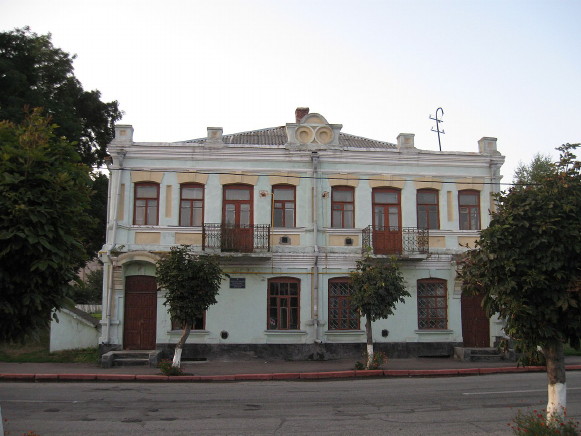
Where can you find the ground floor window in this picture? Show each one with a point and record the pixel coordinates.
(283, 303)
(199, 324)
(341, 315)
(432, 304)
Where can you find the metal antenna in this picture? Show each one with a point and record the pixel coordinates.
(438, 121)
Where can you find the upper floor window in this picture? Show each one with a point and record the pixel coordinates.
(146, 204)
(432, 304)
(469, 209)
(283, 303)
(342, 316)
(342, 207)
(427, 204)
(284, 205)
(191, 205)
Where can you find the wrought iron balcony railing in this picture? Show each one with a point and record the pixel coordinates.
(396, 240)
(240, 239)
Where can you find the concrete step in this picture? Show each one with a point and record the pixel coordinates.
(130, 357)
(482, 354)
(131, 361)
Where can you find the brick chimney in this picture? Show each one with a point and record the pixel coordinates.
(300, 113)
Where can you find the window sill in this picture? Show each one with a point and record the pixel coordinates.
(434, 332)
(285, 332)
(345, 332)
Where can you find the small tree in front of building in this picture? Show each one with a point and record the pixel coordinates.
(378, 286)
(527, 264)
(191, 283)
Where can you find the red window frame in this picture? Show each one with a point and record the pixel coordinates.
(424, 209)
(148, 220)
(342, 210)
(283, 206)
(468, 213)
(340, 313)
(190, 203)
(284, 300)
(432, 304)
(198, 324)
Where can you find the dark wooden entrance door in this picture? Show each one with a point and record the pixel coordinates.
(140, 313)
(387, 235)
(237, 219)
(475, 323)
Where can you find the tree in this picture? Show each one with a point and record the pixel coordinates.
(378, 286)
(527, 265)
(89, 291)
(191, 283)
(44, 198)
(540, 168)
(34, 73)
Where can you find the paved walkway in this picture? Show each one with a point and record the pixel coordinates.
(257, 369)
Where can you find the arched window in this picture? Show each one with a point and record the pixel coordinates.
(191, 204)
(284, 205)
(427, 206)
(432, 304)
(146, 205)
(283, 303)
(343, 207)
(342, 316)
(469, 209)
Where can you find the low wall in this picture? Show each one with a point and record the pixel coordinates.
(75, 329)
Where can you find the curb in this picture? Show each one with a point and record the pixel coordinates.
(389, 373)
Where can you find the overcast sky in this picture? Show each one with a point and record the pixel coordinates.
(507, 69)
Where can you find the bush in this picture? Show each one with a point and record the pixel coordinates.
(379, 358)
(167, 369)
(536, 423)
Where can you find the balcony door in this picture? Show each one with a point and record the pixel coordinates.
(237, 219)
(387, 234)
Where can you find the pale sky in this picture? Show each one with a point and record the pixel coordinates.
(506, 69)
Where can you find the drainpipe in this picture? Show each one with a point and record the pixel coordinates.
(113, 262)
(315, 275)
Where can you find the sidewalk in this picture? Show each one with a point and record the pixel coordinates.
(256, 369)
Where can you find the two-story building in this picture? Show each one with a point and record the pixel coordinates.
(290, 209)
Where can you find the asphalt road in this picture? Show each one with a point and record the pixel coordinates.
(415, 406)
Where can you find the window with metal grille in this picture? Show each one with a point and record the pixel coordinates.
(427, 204)
(146, 210)
(283, 303)
(284, 205)
(198, 324)
(191, 205)
(432, 304)
(469, 209)
(341, 315)
(342, 207)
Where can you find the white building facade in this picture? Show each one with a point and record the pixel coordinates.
(289, 210)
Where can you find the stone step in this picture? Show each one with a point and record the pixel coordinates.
(131, 361)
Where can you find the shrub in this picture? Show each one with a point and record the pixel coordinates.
(536, 423)
(379, 358)
(167, 369)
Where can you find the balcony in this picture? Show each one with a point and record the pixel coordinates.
(236, 239)
(404, 241)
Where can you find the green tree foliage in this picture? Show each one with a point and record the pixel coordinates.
(44, 198)
(90, 290)
(378, 286)
(191, 283)
(527, 263)
(34, 73)
(537, 172)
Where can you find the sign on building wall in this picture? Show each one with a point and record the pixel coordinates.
(237, 283)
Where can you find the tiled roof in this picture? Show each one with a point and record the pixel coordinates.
(276, 136)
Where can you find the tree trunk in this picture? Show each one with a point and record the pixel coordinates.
(177, 357)
(369, 341)
(557, 391)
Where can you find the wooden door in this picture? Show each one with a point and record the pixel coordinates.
(140, 313)
(387, 234)
(475, 323)
(237, 219)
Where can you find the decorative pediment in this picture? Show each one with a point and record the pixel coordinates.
(313, 132)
